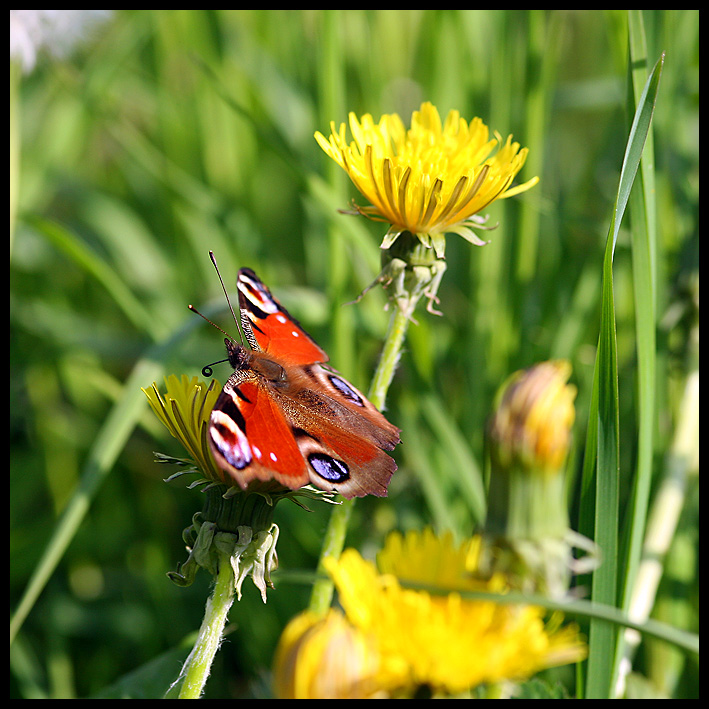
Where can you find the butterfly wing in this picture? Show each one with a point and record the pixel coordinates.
(346, 436)
(283, 415)
(250, 437)
(269, 327)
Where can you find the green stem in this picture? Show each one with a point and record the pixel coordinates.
(199, 662)
(526, 504)
(398, 325)
(334, 541)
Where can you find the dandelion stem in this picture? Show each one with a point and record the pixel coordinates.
(398, 325)
(334, 541)
(197, 666)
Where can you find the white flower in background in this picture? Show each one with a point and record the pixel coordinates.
(32, 32)
(54, 31)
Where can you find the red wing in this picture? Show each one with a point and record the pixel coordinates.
(270, 328)
(341, 436)
(251, 439)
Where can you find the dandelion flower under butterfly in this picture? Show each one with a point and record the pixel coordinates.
(233, 524)
(184, 410)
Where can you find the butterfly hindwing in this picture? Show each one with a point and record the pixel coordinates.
(284, 415)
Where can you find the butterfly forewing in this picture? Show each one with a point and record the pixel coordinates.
(284, 416)
(251, 438)
(269, 327)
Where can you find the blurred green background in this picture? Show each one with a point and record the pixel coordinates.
(164, 134)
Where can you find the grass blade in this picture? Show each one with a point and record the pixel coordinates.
(603, 436)
(107, 446)
(643, 243)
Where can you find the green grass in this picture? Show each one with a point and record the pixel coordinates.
(170, 133)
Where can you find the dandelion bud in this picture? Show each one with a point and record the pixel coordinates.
(325, 658)
(527, 528)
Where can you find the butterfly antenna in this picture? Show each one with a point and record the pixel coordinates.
(204, 317)
(207, 370)
(226, 295)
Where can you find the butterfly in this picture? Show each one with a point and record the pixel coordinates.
(284, 415)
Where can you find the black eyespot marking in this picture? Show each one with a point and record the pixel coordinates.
(346, 390)
(329, 468)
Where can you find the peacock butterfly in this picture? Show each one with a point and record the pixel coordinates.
(284, 415)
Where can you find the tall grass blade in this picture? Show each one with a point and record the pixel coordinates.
(108, 445)
(602, 453)
(644, 258)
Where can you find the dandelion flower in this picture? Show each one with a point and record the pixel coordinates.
(444, 640)
(184, 410)
(431, 179)
(527, 525)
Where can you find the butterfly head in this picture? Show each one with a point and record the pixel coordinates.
(238, 356)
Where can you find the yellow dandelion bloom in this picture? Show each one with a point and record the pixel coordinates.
(443, 640)
(184, 410)
(431, 179)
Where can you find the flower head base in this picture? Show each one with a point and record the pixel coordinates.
(413, 271)
(248, 552)
(431, 179)
(441, 640)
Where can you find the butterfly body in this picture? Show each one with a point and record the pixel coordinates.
(284, 415)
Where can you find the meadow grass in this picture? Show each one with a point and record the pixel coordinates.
(167, 134)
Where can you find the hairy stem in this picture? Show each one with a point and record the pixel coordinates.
(197, 666)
